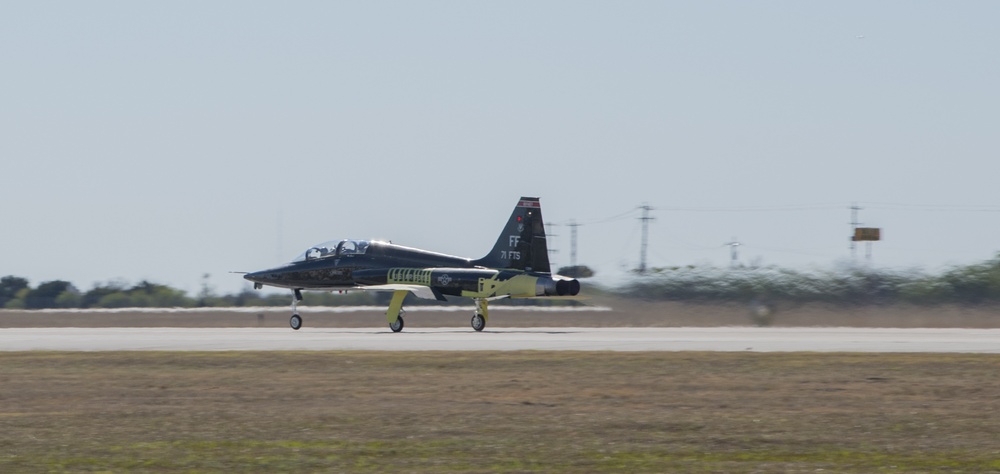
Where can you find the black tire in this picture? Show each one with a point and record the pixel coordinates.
(478, 322)
(398, 325)
(295, 321)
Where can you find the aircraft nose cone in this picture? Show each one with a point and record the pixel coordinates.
(257, 277)
(278, 276)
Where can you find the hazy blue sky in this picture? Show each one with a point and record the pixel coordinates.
(165, 140)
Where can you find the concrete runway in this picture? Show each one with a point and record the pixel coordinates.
(505, 339)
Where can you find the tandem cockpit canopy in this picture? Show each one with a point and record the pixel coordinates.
(334, 248)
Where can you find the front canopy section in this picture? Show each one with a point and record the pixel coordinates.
(333, 248)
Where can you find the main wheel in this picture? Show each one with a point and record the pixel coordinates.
(397, 325)
(478, 322)
(295, 322)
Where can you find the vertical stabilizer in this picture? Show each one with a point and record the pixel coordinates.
(521, 245)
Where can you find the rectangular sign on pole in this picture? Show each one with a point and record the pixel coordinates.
(867, 234)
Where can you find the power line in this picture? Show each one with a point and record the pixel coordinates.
(644, 219)
(614, 218)
(933, 207)
(808, 207)
(791, 207)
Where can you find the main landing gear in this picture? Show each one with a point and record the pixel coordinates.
(478, 322)
(296, 321)
(482, 313)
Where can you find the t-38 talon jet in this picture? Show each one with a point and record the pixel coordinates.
(517, 267)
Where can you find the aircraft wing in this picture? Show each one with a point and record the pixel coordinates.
(419, 291)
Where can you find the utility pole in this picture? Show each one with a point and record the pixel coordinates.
(734, 252)
(854, 225)
(552, 250)
(645, 236)
(572, 243)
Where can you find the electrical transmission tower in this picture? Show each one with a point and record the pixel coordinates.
(552, 249)
(645, 236)
(572, 243)
(854, 225)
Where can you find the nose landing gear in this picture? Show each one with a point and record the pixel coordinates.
(296, 321)
(395, 312)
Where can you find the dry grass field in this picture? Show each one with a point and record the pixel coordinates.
(503, 412)
(498, 412)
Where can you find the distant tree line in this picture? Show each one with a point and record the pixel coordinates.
(17, 293)
(855, 285)
(967, 285)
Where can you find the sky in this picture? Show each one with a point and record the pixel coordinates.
(164, 141)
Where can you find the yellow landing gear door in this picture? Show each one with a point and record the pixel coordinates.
(395, 305)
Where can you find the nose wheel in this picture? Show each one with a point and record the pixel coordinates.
(397, 325)
(295, 321)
